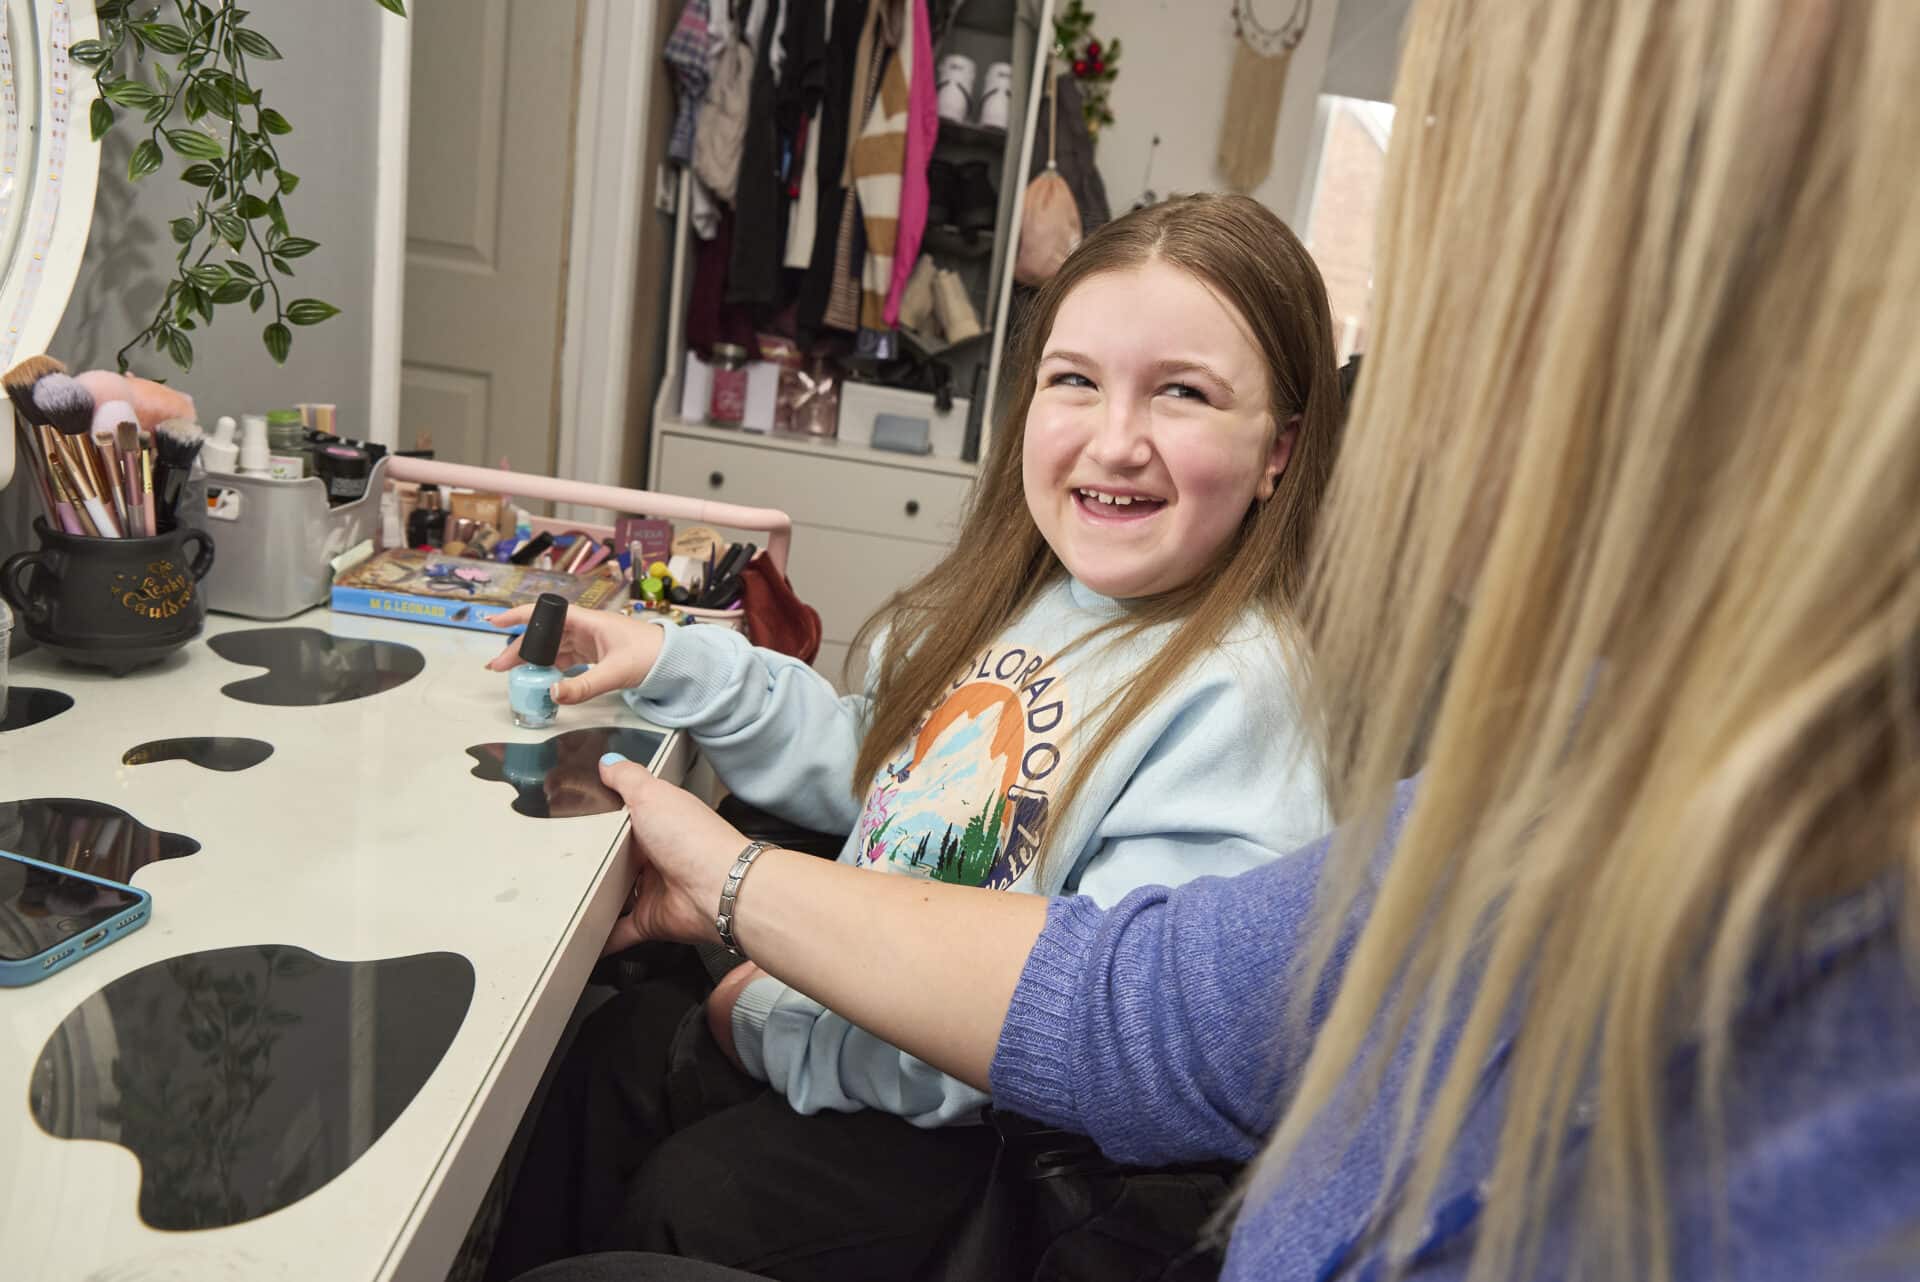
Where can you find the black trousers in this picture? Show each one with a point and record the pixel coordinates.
(625, 1266)
(650, 1140)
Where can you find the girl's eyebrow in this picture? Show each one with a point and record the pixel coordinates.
(1164, 368)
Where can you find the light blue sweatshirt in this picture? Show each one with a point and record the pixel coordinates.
(1214, 779)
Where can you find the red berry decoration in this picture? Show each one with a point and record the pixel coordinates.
(1093, 48)
(1098, 67)
(1079, 66)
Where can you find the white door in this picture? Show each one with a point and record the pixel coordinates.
(489, 183)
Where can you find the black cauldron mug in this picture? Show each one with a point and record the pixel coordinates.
(110, 603)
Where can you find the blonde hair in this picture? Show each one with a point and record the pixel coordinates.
(1000, 563)
(1627, 529)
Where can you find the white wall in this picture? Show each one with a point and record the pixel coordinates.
(327, 85)
(1175, 60)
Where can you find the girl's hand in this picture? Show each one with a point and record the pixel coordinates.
(621, 650)
(682, 851)
(720, 1004)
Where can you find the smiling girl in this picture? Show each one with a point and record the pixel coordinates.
(1094, 691)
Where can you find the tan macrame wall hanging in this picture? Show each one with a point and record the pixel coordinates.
(1259, 82)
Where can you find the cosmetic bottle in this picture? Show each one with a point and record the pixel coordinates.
(427, 527)
(255, 453)
(530, 686)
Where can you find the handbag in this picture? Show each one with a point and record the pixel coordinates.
(1049, 218)
(1055, 1209)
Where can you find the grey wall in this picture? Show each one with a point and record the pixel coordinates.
(326, 85)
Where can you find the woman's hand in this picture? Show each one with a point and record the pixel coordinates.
(720, 1003)
(682, 851)
(621, 650)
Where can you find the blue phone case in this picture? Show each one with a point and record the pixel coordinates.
(29, 970)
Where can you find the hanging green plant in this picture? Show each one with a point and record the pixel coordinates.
(182, 67)
(1093, 63)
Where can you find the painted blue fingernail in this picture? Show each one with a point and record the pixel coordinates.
(612, 759)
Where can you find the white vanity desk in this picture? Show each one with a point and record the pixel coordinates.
(364, 835)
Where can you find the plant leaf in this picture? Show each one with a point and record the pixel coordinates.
(241, 268)
(295, 247)
(255, 44)
(278, 214)
(183, 230)
(258, 297)
(162, 37)
(273, 122)
(130, 93)
(310, 311)
(279, 341)
(90, 53)
(180, 347)
(231, 229)
(252, 207)
(393, 6)
(200, 174)
(195, 145)
(144, 160)
(99, 118)
(232, 292)
(211, 276)
(288, 181)
(282, 266)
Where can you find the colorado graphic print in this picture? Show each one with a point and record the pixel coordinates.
(965, 800)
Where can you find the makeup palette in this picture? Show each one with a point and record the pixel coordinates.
(243, 1079)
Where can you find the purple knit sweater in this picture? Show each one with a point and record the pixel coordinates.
(1151, 1027)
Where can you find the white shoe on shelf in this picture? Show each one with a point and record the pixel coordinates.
(996, 95)
(953, 87)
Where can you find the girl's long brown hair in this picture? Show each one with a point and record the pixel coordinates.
(1000, 563)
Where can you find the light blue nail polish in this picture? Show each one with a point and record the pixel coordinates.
(612, 759)
(530, 686)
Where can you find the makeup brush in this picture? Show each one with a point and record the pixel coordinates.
(19, 383)
(176, 445)
(66, 504)
(133, 467)
(69, 408)
(88, 502)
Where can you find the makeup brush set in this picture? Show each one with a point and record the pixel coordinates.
(99, 471)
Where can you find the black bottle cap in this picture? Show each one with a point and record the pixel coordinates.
(540, 644)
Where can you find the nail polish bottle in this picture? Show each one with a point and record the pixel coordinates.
(530, 686)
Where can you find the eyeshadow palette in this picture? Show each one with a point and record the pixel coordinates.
(560, 777)
(243, 1079)
(306, 667)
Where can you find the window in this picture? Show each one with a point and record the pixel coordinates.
(1350, 162)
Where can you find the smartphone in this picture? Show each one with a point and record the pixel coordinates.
(51, 917)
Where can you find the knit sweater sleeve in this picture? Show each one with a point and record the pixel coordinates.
(776, 732)
(1156, 1027)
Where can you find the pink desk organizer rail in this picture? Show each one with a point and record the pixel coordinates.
(777, 526)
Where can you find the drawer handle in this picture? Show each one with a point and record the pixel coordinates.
(913, 507)
(716, 479)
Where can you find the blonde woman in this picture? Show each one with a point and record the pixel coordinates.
(1626, 532)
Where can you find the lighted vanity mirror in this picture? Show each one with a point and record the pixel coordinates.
(49, 167)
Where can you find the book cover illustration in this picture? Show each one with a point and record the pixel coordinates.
(430, 587)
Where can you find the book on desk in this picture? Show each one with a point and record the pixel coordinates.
(458, 592)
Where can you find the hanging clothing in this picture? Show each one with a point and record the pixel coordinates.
(880, 162)
(760, 204)
(836, 108)
(688, 55)
(923, 131)
(710, 318)
(843, 302)
(1073, 157)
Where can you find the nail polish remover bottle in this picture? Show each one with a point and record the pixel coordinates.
(530, 686)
